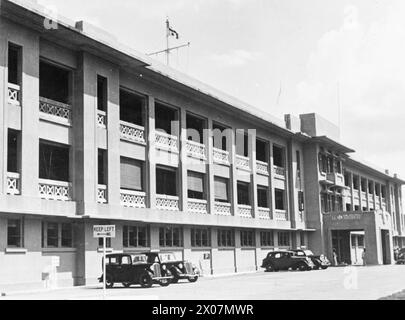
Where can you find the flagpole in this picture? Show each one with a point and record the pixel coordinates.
(167, 40)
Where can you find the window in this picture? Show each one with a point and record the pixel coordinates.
(302, 239)
(355, 182)
(15, 233)
(298, 157)
(377, 189)
(356, 208)
(301, 201)
(135, 237)
(360, 241)
(284, 239)
(195, 129)
(171, 237)
(12, 151)
(279, 199)
(363, 185)
(221, 189)
(57, 235)
(196, 185)
(383, 192)
(267, 239)
(330, 162)
(226, 238)
(347, 179)
(278, 156)
(261, 151)
(102, 167)
(242, 143)
(53, 162)
(200, 238)
(339, 166)
(107, 242)
(132, 108)
(14, 64)
(262, 197)
(102, 94)
(348, 207)
(54, 82)
(247, 238)
(166, 119)
(243, 193)
(131, 174)
(166, 181)
(220, 136)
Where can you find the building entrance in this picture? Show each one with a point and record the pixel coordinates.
(349, 246)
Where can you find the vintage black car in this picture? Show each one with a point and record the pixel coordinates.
(178, 268)
(286, 260)
(401, 258)
(135, 269)
(320, 262)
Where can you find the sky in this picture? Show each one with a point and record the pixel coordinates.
(342, 59)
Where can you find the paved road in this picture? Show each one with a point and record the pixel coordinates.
(366, 283)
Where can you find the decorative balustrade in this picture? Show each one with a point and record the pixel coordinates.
(55, 111)
(101, 119)
(101, 194)
(168, 203)
(197, 206)
(14, 94)
(243, 163)
(223, 209)
(262, 168)
(279, 172)
(281, 215)
(13, 183)
(264, 213)
(55, 190)
(132, 133)
(166, 142)
(196, 150)
(133, 199)
(221, 156)
(245, 211)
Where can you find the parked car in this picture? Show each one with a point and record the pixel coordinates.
(286, 260)
(401, 257)
(178, 268)
(135, 269)
(320, 262)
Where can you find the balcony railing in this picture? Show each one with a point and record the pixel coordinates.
(166, 142)
(262, 168)
(223, 209)
(243, 163)
(55, 111)
(196, 150)
(279, 172)
(245, 211)
(13, 183)
(55, 190)
(101, 193)
(264, 213)
(14, 94)
(132, 133)
(197, 206)
(133, 199)
(221, 156)
(101, 119)
(336, 179)
(281, 215)
(168, 203)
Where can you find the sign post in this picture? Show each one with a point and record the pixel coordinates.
(104, 232)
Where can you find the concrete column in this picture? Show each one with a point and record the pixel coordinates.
(151, 163)
(214, 249)
(374, 196)
(352, 190)
(183, 193)
(3, 108)
(238, 249)
(290, 184)
(154, 237)
(234, 174)
(30, 117)
(253, 185)
(258, 249)
(271, 183)
(187, 242)
(367, 198)
(210, 167)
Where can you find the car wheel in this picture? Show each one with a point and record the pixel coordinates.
(270, 268)
(145, 281)
(175, 280)
(164, 282)
(126, 284)
(302, 267)
(193, 279)
(109, 283)
(324, 268)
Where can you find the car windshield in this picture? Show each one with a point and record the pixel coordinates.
(139, 258)
(167, 257)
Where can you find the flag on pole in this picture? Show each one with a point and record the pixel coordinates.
(170, 31)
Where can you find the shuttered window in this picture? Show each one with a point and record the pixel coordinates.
(131, 174)
(166, 181)
(196, 188)
(221, 190)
